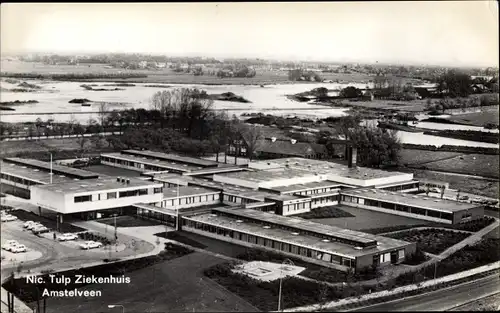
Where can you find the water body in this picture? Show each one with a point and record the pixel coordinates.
(54, 97)
(271, 99)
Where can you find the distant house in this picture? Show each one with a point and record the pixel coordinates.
(142, 64)
(479, 88)
(273, 148)
(161, 65)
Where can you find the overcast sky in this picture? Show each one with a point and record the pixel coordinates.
(458, 33)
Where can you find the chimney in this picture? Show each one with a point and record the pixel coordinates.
(352, 154)
(118, 179)
(128, 181)
(123, 180)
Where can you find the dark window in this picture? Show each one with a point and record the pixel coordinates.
(129, 193)
(143, 192)
(83, 198)
(111, 195)
(158, 190)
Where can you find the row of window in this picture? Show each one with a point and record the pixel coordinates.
(147, 167)
(402, 187)
(325, 199)
(239, 200)
(399, 207)
(315, 191)
(190, 200)
(18, 180)
(296, 206)
(112, 195)
(274, 244)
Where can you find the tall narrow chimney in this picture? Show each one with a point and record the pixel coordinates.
(354, 156)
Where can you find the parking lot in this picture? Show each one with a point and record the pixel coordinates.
(45, 253)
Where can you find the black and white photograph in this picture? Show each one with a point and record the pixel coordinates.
(249, 156)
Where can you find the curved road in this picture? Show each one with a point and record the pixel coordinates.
(442, 299)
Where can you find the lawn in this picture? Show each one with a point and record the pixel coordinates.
(416, 156)
(432, 241)
(176, 285)
(471, 164)
(112, 171)
(177, 236)
(472, 226)
(325, 212)
(472, 185)
(49, 223)
(127, 221)
(366, 219)
(478, 118)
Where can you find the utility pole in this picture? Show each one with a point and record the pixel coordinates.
(51, 168)
(116, 234)
(177, 209)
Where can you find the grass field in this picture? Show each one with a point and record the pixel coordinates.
(413, 106)
(366, 219)
(169, 76)
(471, 164)
(415, 156)
(10, 147)
(465, 184)
(478, 118)
(112, 171)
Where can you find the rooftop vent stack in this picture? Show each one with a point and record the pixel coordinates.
(273, 139)
(123, 180)
(128, 181)
(293, 141)
(118, 179)
(352, 154)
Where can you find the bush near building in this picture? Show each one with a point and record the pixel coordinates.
(432, 241)
(472, 226)
(264, 295)
(416, 258)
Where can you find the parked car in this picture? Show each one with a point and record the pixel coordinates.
(67, 236)
(33, 225)
(90, 245)
(10, 244)
(19, 249)
(28, 223)
(40, 230)
(8, 218)
(435, 190)
(463, 198)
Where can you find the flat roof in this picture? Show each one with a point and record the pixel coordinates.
(101, 183)
(302, 224)
(283, 197)
(307, 186)
(267, 175)
(144, 160)
(331, 168)
(66, 170)
(171, 157)
(301, 239)
(217, 170)
(32, 174)
(232, 189)
(420, 201)
(185, 191)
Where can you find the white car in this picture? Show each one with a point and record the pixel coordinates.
(90, 245)
(8, 218)
(33, 225)
(28, 223)
(19, 249)
(67, 236)
(40, 230)
(10, 244)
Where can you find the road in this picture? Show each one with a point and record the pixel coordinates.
(441, 300)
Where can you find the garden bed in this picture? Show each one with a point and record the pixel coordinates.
(49, 223)
(432, 241)
(472, 226)
(128, 221)
(325, 212)
(29, 292)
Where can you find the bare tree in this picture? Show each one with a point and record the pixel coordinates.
(103, 107)
(252, 135)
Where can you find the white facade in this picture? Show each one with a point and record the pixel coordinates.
(401, 177)
(191, 201)
(271, 182)
(74, 202)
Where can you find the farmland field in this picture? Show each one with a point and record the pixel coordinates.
(469, 184)
(12, 147)
(169, 76)
(477, 118)
(415, 156)
(472, 164)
